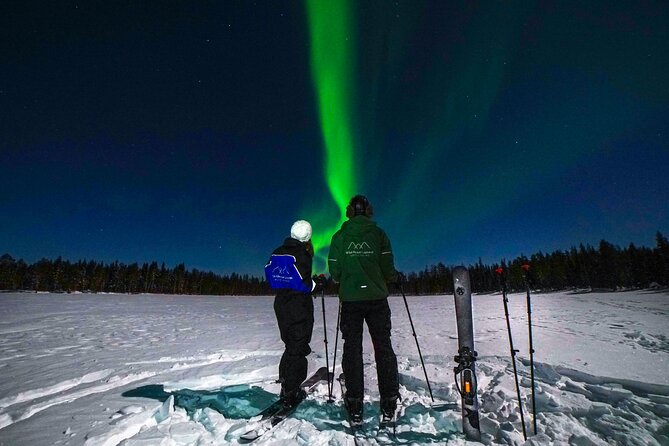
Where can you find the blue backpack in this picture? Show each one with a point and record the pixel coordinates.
(281, 272)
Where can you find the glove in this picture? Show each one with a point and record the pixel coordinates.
(320, 283)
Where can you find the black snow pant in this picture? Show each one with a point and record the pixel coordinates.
(295, 315)
(377, 315)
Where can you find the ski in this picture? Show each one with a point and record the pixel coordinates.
(465, 372)
(277, 412)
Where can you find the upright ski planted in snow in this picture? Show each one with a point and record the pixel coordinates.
(465, 373)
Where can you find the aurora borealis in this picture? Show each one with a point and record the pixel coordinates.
(198, 133)
(464, 105)
(332, 68)
(471, 89)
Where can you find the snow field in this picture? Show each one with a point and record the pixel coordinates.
(147, 370)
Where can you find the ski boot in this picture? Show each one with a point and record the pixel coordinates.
(354, 409)
(388, 409)
(293, 398)
(387, 423)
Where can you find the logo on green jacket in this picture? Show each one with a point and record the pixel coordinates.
(359, 249)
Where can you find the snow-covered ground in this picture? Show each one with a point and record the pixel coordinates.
(146, 370)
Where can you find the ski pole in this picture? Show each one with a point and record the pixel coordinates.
(502, 278)
(429, 388)
(325, 340)
(526, 269)
(334, 359)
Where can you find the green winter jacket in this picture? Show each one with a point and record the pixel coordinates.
(361, 260)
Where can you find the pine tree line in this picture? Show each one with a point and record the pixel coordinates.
(89, 276)
(608, 267)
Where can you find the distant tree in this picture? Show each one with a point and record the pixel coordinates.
(607, 264)
(7, 272)
(662, 258)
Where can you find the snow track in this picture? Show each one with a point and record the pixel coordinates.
(65, 397)
(57, 388)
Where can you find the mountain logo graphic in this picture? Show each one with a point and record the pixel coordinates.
(362, 245)
(281, 271)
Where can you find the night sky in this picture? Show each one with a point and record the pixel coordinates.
(197, 132)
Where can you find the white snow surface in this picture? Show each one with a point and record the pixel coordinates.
(75, 369)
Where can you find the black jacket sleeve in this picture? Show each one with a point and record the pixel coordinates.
(303, 262)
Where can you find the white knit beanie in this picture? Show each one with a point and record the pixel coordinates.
(301, 230)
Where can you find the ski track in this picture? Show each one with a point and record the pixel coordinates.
(32, 409)
(176, 343)
(57, 388)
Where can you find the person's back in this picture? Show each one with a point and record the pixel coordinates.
(301, 257)
(361, 260)
(362, 250)
(289, 274)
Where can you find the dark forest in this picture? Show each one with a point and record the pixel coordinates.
(604, 268)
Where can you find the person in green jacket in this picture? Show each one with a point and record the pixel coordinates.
(361, 260)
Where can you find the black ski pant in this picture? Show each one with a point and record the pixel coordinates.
(295, 315)
(377, 315)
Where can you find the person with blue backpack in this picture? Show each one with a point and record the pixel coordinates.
(288, 272)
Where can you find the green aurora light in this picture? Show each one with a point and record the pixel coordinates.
(332, 70)
(440, 120)
(470, 85)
